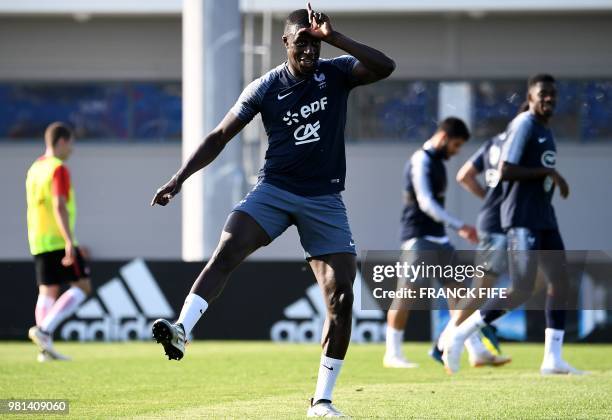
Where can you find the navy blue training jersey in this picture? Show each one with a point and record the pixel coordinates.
(528, 203)
(304, 120)
(424, 190)
(486, 159)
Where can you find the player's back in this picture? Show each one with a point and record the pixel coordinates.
(425, 166)
(42, 182)
(487, 161)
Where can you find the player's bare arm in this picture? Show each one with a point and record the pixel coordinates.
(208, 150)
(373, 65)
(61, 217)
(512, 172)
(467, 178)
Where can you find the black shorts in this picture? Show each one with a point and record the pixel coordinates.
(49, 268)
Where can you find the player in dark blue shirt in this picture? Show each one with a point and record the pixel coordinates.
(424, 219)
(528, 171)
(425, 182)
(486, 160)
(304, 120)
(303, 107)
(492, 242)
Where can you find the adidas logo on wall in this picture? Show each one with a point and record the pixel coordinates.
(122, 309)
(307, 314)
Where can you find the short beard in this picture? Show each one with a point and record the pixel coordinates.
(444, 151)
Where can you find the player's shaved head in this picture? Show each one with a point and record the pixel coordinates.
(296, 20)
(56, 131)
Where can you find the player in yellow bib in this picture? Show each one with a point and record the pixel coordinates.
(51, 220)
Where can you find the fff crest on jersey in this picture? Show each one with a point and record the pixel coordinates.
(549, 159)
(320, 78)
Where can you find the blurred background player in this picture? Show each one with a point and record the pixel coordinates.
(424, 219)
(528, 169)
(303, 106)
(51, 221)
(492, 244)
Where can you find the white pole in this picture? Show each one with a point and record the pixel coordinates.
(193, 127)
(212, 79)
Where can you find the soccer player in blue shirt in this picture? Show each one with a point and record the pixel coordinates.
(424, 222)
(492, 243)
(528, 171)
(303, 107)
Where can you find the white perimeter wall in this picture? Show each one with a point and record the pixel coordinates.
(114, 186)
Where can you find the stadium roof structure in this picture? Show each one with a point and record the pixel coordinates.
(174, 7)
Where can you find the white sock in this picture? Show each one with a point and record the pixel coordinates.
(469, 326)
(65, 306)
(329, 369)
(553, 343)
(43, 306)
(446, 332)
(394, 340)
(474, 346)
(193, 308)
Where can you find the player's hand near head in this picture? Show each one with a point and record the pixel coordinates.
(561, 183)
(166, 192)
(372, 64)
(468, 233)
(320, 25)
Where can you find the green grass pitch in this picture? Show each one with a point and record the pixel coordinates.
(267, 380)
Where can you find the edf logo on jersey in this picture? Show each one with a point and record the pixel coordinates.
(306, 133)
